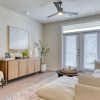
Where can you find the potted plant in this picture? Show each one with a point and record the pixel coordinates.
(25, 53)
(43, 50)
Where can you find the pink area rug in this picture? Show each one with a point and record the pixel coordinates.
(29, 93)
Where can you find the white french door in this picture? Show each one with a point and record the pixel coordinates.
(71, 45)
(90, 50)
(80, 50)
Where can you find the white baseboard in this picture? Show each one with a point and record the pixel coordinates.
(53, 69)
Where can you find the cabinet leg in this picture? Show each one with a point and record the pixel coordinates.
(40, 72)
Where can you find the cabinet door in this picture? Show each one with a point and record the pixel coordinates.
(30, 65)
(12, 69)
(22, 67)
(37, 65)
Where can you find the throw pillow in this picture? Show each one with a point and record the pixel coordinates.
(96, 73)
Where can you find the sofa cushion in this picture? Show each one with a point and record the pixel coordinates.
(89, 80)
(85, 92)
(97, 64)
(60, 89)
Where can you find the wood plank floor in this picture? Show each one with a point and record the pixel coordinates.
(22, 83)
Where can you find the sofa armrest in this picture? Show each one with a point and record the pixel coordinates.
(85, 92)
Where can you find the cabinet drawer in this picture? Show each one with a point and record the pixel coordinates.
(37, 65)
(22, 67)
(12, 69)
(30, 65)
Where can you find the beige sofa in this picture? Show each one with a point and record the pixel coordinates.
(72, 88)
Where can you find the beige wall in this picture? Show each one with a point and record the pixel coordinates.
(9, 18)
(52, 36)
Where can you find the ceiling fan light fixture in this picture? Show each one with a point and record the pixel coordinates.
(60, 13)
(27, 12)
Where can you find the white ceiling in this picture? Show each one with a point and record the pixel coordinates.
(40, 9)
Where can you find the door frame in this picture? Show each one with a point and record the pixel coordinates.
(81, 45)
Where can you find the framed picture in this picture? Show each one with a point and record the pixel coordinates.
(18, 39)
(7, 55)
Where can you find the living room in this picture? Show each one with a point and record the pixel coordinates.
(35, 17)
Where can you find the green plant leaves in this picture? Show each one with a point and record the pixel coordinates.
(25, 53)
(43, 49)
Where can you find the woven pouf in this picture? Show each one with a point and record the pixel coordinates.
(1, 78)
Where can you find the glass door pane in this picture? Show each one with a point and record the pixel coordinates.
(71, 51)
(90, 50)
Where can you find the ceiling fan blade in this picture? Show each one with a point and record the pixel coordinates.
(71, 13)
(52, 15)
(57, 5)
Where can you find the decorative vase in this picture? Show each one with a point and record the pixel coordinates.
(43, 67)
(69, 67)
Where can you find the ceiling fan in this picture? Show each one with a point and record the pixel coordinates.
(60, 10)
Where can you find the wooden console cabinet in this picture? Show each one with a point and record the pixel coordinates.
(17, 68)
